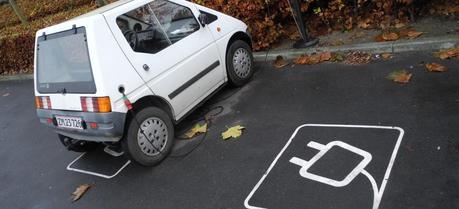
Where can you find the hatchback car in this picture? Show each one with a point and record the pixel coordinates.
(127, 72)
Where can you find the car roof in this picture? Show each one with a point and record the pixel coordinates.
(103, 9)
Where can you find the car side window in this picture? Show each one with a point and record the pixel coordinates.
(178, 21)
(157, 25)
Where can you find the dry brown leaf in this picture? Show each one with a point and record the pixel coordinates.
(448, 53)
(365, 24)
(313, 59)
(414, 34)
(386, 56)
(400, 76)
(80, 191)
(410, 33)
(325, 56)
(388, 36)
(379, 38)
(435, 67)
(400, 25)
(280, 62)
(406, 2)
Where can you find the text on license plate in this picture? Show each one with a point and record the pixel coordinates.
(69, 122)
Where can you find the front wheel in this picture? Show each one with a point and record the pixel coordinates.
(239, 63)
(150, 136)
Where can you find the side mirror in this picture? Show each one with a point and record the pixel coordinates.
(203, 19)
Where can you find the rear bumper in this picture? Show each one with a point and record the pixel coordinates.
(110, 125)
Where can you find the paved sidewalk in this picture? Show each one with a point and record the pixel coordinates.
(438, 33)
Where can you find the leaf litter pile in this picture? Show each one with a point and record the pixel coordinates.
(357, 58)
(351, 58)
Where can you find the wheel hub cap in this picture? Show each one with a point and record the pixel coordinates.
(242, 63)
(152, 136)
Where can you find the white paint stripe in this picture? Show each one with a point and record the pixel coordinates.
(386, 175)
(69, 167)
(374, 185)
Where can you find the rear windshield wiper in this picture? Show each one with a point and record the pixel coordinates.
(63, 91)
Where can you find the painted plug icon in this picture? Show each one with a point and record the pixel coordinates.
(323, 149)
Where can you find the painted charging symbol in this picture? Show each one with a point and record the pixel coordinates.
(359, 169)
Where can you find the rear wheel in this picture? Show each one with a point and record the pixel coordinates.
(77, 145)
(150, 136)
(239, 63)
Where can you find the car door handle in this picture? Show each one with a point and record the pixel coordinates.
(146, 67)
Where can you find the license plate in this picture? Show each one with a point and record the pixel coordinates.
(69, 122)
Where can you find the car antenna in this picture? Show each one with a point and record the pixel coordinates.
(44, 35)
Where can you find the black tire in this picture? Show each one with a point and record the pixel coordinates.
(153, 151)
(238, 76)
(77, 145)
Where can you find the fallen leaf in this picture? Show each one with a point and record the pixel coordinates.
(435, 67)
(357, 58)
(410, 33)
(197, 129)
(337, 57)
(400, 25)
(386, 56)
(233, 132)
(6, 94)
(387, 36)
(313, 59)
(448, 53)
(364, 24)
(400, 76)
(325, 56)
(280, 62)
(337, 43)
(80, 191)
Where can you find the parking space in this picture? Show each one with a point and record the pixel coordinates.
(272, 165)
(322, 163)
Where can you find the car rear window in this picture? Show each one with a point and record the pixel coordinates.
(63, 64)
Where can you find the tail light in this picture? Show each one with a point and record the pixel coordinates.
(96, 104)
(43, 102)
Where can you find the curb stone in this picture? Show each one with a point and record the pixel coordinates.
(16, 77)
(420, 44)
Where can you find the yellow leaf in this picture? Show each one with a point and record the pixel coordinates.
(233, 132)
(79, 192)
(197, 129)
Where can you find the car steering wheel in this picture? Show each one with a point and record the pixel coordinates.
(132, 38)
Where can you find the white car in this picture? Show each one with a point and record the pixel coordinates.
(127, 72)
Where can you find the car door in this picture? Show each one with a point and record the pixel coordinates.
(175, 55)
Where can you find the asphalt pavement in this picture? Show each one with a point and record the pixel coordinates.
(328, 136)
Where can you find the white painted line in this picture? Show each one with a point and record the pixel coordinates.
(378, 193)
(305, 165)
(69, 167)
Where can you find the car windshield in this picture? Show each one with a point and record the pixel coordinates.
(63, 64)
